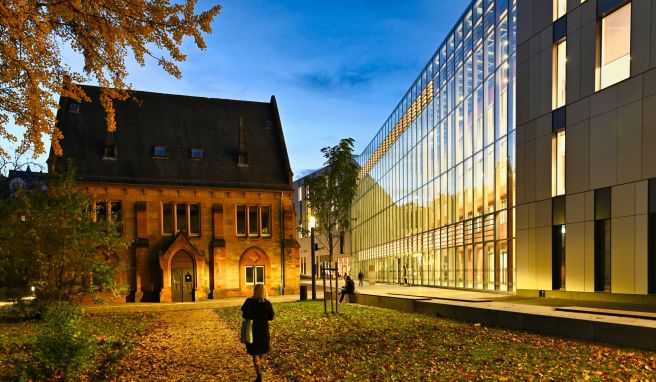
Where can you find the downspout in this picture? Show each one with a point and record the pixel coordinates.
(282, 246)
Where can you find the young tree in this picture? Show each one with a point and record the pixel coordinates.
(331, 193)
(33, 34)
(49, 241)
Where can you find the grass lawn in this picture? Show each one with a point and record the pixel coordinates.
(114, 333)
(365, 343)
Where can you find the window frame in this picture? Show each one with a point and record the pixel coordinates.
(197, 150)
(255, 274)
(174, 217)
(600, 80)
(160, 147)
(558, 167)
(247, 210)
(559, 75)
(108, 216)
(559, 9)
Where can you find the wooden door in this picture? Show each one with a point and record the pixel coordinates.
(182, 277)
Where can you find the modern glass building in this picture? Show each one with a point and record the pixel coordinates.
(435, 201)
(586, 163)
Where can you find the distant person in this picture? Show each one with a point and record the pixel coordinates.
(260, 310)
(360, 278)
(347, 289)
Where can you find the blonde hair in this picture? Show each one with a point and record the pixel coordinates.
(260, 292)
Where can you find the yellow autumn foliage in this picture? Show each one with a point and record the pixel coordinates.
(33, 34)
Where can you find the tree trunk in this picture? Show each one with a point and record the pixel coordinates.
(330, 246)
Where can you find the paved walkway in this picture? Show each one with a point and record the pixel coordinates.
(587, 310)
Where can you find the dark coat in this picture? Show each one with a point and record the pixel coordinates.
(261, 313)
(350, 286)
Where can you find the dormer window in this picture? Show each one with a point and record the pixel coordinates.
(159, 152)
(197, 153)
(110, 152)
(74, 108)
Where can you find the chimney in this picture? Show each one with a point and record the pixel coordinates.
(243, 154)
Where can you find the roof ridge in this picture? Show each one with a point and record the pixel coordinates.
(181, 95)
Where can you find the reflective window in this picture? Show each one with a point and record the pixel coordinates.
(559, 9)
(159, 152)
(615, 47)
(433, 207)
(558, 164)
(182, 216)
(559, 74)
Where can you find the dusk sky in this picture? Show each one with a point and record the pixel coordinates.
(337, 68)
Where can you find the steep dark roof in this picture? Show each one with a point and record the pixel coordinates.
(179, 123)
(28, 180)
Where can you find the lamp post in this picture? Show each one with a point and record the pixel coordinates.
(312, 260)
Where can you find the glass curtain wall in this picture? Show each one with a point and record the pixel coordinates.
(435, 200)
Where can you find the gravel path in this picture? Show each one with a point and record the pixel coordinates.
(190, 345)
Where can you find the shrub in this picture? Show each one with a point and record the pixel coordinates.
(62, 345)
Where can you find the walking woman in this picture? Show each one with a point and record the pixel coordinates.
(260, 310)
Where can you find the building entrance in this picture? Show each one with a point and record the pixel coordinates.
(182, 277)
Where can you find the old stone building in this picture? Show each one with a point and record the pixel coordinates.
(202, 186)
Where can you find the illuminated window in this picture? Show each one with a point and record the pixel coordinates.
(615, 58)
(558, 164)
(559, 74)
(559, 9)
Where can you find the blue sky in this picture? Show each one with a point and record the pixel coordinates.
(337, 68)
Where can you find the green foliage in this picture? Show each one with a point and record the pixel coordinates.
(104, 275)
(331, 192)
(24, 345)
(62, 344)
(49, 241)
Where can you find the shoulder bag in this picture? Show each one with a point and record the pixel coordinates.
(247, 329)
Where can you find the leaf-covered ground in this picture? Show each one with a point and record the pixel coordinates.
(200, 343)
(189, 345)
(115, 335)
(373, 344)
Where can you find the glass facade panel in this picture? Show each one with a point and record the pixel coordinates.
(433, 203)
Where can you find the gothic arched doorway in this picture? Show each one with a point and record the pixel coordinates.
(182, 277)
